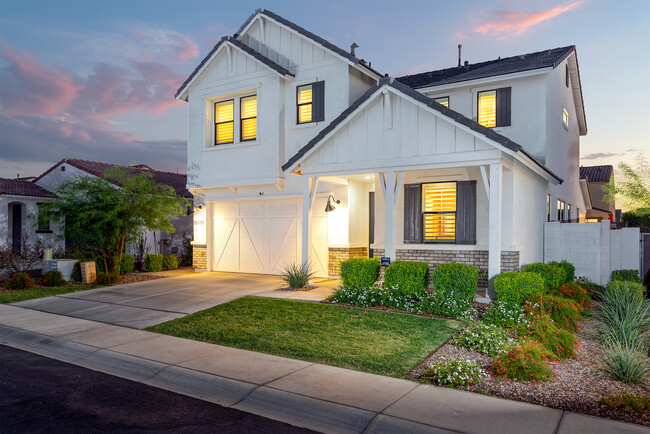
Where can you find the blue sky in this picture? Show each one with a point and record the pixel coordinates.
(95, 79)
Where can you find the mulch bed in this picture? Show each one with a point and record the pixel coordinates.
(577, 386)
(137, 277)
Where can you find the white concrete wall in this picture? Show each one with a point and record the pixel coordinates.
(593, 248)
(29, 220)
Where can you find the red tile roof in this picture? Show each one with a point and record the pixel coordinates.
(176, 180)
(21, 187)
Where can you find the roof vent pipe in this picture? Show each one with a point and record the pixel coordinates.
(459, 48)
(352, 48)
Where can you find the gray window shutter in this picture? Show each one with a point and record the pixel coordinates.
(412, 214)
(318, 108)
(503, 107)
(466, 212)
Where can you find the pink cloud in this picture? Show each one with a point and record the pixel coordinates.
(505, 23)
(185, 49)
(460, 35)
(29, 87)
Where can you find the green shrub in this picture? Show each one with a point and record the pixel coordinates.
(407, 278)
(170, 262)
(457, 281)
(568, 268)
(359, 272)
(515, 287)
(296, 276)
(555, 339)
(454, 373)
(76, 272)
(564, 312)
(592, 288)
(108, 278)
(575, 292)
(552, 274)
(126, 264)
(484, 338)
(631, 403)
(625, 364)
(626, 276)
(153, 262)
(19, 280)
(504, 314)
(52, 278)
(525, 362)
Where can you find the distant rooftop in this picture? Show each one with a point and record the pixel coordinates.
(596, 173)
(22, 187)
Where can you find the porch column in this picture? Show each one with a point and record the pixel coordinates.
(391, 186)
(309, 186)
(209, 235)
(494, 238)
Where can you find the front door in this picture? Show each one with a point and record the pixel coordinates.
(16, 225)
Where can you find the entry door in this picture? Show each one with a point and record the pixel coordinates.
(16, 225)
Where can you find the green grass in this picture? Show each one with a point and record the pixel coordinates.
(380, 342)
(7, 297)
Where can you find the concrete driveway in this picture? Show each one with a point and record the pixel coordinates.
(142, 304)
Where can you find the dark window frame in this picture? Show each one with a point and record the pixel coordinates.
(298, 105)
(455, 213)
(216, 124)
(501, 105)
(242, 119)
(548, 207)
(567, 81)
(317, 102)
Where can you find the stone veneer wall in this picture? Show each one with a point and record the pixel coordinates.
(340, 254)
(478, 258)
(200, 256)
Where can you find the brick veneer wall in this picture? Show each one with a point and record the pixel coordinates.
(340, 254)
(200, 256)
(478, 258)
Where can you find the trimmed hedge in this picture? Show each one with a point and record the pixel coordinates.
(626, 276)
(406, 277)
(569, 270)
(153, 262)
(126, 265)
(455, 281)
(514, 287)
(359, 272)
(552, 274)
(170, 262)
(52, 278)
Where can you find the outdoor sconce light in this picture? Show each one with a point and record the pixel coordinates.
(329, 207)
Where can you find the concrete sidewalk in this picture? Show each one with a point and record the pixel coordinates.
(310, 395)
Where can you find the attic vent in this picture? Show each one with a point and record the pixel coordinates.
(522, 57)
(62, 168)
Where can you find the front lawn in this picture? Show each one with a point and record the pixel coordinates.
(17, 295)
(385, 343)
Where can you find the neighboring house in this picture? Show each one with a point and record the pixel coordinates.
(463, 164)
(21, 213)
(595, 178)
(155, 241)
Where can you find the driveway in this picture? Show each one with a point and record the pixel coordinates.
(142, 304)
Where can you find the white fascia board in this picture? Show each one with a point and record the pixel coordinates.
(531, 165)
(242, 183)
(483, 81)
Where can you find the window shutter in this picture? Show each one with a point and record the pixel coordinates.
(503, 107)
(318, 90)
(412, 214)
(465, 212)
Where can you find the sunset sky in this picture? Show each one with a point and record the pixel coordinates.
(95, 79)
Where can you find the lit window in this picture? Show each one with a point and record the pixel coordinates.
(565, 117)
(248, 117)
(224, 113)
(560, 210)
(568, 212)
(548, 207)
(444, 100)
(494, 108)
(305, 103)
(439, 211)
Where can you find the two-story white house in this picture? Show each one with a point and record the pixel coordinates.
(300, 152)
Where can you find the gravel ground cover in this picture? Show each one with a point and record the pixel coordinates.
(577, 386)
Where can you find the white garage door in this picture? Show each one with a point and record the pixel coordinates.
(263, 236)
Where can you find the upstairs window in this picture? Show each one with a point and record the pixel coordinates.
(439, 212)
(248, 116)
(310, 99)
(444, 100)
(565, 117)
(566, 75)
(548, 207)
(224, 116)
(560, 210)
(494, 108)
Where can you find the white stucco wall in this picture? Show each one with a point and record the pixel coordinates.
(29, 209)
(528, 215)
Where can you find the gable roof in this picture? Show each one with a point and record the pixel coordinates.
(455, 116)
(176, 180)
(597, 173)
(21, 187)
(280, 70)
(507, 65)
(313, 37)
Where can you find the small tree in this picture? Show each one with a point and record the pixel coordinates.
(23, 260)
(106, 214)
(633, 188)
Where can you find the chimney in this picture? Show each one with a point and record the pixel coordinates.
(459, 48)
(352, 48)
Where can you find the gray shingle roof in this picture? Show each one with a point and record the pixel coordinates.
(457, 117)
(596, 173)
(21, 187)
(507, 65)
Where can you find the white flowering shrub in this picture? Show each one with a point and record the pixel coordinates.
(484, 338)
(461, 372)
(506, 314)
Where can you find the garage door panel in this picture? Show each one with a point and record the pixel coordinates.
(284, 207)
(253, 208)
(226, 244)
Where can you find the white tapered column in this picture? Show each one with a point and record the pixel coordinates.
(494, 237)
(309, 186)
(389, 205)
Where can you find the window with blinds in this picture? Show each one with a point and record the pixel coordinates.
(248, 115)
(444, 100)
(305, 103)
(487, 108)
(224, 113)
(439, 211)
